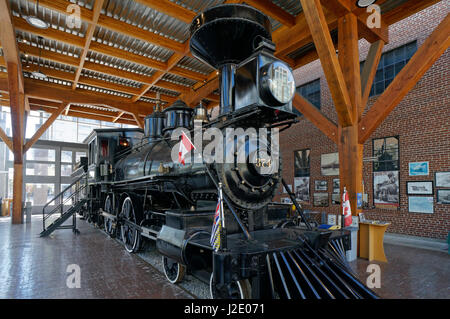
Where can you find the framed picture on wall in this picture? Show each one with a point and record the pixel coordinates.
(321, 185)
(329, 165)
(320, 199)
(420, 204)
(419, 169)
(336, 186)
(386, 190)
(336, 199)
(301, 188)
(419, 188)
(442, 179)
(443, 196)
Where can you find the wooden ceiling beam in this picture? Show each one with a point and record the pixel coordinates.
(272, 10)
(369, 71)
(95, 67)
(79, 42)
(433, 47)
(17, 103)
(93, 115)
(50, 33)
(164, 97)
(138, 120)
(49, 55)
(67, 76)
(171, 9)
(343, 7)
(118, 117)
(79, 113)
(119, 26)
(407, 9)
(45, 126)
(194, 97)
(88, 38)
(171, 63)
(325, 125)
(60, 6)
(6, 139)
(330, 63)
(172, 86)
(140, 34)
(9, 42)
(57, 93)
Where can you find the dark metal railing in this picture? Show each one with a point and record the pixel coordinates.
(71, 195)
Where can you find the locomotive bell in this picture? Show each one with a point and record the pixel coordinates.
(200, 114)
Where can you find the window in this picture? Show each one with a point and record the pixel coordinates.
(41, 154)
(93, 152)
(301, 163)
(66, 156)
(391, 63)
(311, 92)
(39, 169)
(66, 169)
(387, 153)
(39, 194)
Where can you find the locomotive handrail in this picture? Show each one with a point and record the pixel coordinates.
(64, 201)
(168, 138)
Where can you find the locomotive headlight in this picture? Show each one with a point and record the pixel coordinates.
(278, 83)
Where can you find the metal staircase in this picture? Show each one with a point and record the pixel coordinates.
(65, 205)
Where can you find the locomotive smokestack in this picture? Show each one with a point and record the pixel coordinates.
(227, 74)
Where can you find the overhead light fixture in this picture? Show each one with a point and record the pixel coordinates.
(38, 74)
(365, 3)
(35, 21)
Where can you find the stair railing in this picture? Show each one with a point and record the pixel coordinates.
(62, 199)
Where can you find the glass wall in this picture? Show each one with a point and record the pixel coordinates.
(49, 163)
(64, 129)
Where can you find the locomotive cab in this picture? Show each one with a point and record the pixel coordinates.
(105, 147)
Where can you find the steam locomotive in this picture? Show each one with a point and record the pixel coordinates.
(138, 192)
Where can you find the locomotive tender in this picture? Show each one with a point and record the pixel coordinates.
(137, 192)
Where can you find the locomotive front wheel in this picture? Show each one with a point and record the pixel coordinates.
(240, 289)
(108, 223)
(130, 235)
(173, 270)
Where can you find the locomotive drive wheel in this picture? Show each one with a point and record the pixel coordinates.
(108, 223)
(130, 236)
(240, 289)
(173, 270)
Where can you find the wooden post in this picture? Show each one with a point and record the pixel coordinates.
(350, 151)
(17, 216)
(17, 102)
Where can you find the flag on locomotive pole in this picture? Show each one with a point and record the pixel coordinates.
(217, 225)
(346, 209)
(185, 147)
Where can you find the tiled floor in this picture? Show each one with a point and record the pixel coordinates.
(33, 267)
(410, 273)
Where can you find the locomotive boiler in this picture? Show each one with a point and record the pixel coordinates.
(139, 192)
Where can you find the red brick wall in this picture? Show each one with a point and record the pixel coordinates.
(421, 120)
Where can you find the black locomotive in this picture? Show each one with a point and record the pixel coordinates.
(138, 192)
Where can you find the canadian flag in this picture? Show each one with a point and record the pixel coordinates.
(346, 209)
(185, 147)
